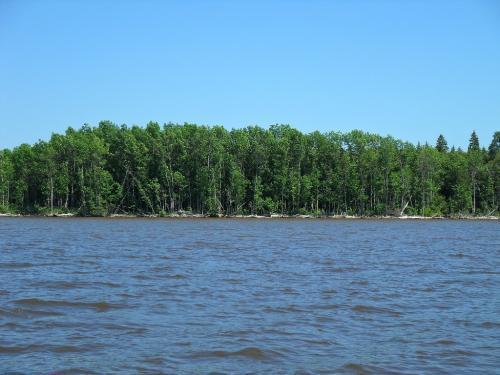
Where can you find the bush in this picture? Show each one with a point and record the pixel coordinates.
(270, 206)
(5, 209)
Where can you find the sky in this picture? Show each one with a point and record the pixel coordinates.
(411, 69)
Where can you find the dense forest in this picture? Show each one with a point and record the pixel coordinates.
(161, 170)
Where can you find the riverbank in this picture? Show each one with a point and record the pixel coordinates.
(272, 216)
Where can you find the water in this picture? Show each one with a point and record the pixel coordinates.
(249, 296)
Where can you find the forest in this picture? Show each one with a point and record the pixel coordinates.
(171, 169)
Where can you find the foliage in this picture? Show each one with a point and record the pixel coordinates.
(174, 168)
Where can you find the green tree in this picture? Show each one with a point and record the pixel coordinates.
(494, 146)
(6, 178)
(474, 142)
(441, 144)
(475, 161)
(159, 169)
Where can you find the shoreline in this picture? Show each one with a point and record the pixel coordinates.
(272, 216)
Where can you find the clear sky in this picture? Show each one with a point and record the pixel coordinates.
(411, 69)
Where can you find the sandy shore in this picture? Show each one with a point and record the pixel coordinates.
(272, 216)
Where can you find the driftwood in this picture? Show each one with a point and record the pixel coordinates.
(492, 211)
(404, 208)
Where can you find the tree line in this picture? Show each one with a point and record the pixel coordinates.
(160, 170)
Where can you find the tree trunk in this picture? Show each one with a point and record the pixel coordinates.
(51, 196)
(404, 208)
(474, 197)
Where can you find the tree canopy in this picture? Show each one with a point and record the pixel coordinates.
(441, 144)
(166, 169)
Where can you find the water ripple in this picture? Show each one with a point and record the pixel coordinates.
(84, 296)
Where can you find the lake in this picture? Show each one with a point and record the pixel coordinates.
(150, 296)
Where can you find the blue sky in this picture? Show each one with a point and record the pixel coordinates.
(411, 69)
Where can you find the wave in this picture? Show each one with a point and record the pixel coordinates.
(375, 310)
(359, 369)
(24, 313)
(250, 353)
(490, 325)
(283, 309)
(354, 368)
(14, 265)
(73, 371)
(98, 306)
(74, 284)
(445, 342)
(328, 306)
(61, 349)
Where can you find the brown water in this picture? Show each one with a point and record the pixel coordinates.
(249, 296)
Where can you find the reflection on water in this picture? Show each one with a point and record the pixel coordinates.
(82, 296)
